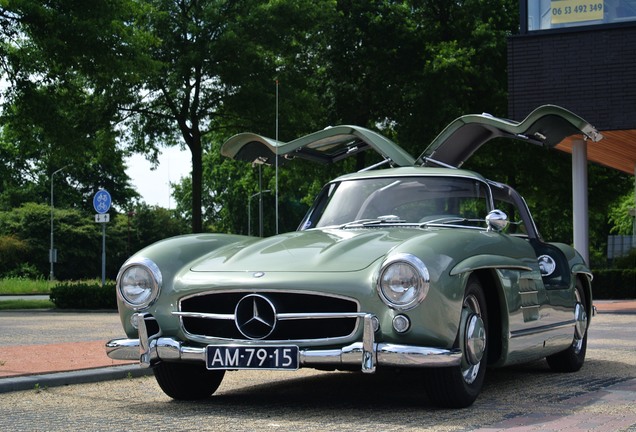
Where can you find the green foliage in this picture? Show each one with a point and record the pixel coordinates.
(25, 304)
(406, 68)
(84, 295)
(627, 261)
(13, 252)
(25, 231)
(76, 237)
(619, 215)
(141, 226)
(544, 178)
(614, 284)
(91, 82)
(23, 285)
(67, 64)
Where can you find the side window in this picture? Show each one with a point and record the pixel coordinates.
(517, 225)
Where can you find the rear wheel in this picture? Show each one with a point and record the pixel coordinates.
(571, 359)
(459, 386)
(187, 381)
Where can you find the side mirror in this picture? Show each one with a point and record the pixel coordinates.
(497, 220)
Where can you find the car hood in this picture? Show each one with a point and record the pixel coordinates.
(547, 126)
(329, 250)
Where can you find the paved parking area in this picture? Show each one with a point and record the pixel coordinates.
(43, 342)
(601, 397)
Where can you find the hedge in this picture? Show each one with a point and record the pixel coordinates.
(614, 284)
(84, 295)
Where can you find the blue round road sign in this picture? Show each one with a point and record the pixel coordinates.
(102, 201)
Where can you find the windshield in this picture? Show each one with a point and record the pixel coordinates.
(399, 200)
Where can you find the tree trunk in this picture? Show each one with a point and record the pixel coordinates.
(197, 183)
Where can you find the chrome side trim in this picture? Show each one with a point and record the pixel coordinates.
(542, 329)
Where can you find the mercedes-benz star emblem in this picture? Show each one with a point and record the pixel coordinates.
(255, 316)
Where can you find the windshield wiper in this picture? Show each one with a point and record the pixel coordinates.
(448, 220)
(387, 219)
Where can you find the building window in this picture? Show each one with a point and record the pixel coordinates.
(551, 14)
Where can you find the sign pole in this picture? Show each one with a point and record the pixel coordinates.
(103, 254)
(101, 203)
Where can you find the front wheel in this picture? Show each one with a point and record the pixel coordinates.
(571, 359)
(187, 381)
(459, 386)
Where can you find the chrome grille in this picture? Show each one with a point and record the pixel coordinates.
(299, 316)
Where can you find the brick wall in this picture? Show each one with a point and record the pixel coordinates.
(591, 72)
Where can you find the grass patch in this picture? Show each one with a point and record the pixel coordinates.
(26, 304)
(20, 286)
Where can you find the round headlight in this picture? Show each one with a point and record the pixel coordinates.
(403, 281)
(138, 283)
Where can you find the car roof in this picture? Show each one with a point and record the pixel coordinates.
(548, 125)
(411, 172)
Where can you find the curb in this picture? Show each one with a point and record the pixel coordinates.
(85, 376)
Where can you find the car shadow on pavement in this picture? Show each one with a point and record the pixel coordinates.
(520, 395)
(532, 384)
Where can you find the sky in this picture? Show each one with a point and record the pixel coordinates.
(153, 186)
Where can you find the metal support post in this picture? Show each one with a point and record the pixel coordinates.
(579, 199)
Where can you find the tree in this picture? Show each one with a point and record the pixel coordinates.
(215, 60)
(137, 228)
(92, 82)
(393, 66)
(65, 62)
(77, 239)
(462, 65)
(25, 230)
(621, 215)
(180, 97)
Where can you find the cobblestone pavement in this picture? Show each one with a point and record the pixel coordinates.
(600, 397)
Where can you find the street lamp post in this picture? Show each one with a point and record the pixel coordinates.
(260, 212)
(52, 253)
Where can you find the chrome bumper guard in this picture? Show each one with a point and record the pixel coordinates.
(368, 354)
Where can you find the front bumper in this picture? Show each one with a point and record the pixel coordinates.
(367, 354)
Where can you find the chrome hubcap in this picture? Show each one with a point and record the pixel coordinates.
(580, 326)
(474, 340)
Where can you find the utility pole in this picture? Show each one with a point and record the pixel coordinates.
(52, 251)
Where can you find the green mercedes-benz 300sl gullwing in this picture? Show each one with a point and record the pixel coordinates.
(411, 264)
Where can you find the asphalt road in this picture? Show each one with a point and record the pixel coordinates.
(602, 396)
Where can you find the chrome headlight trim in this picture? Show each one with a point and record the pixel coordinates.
(150, 290)
(415, 284)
